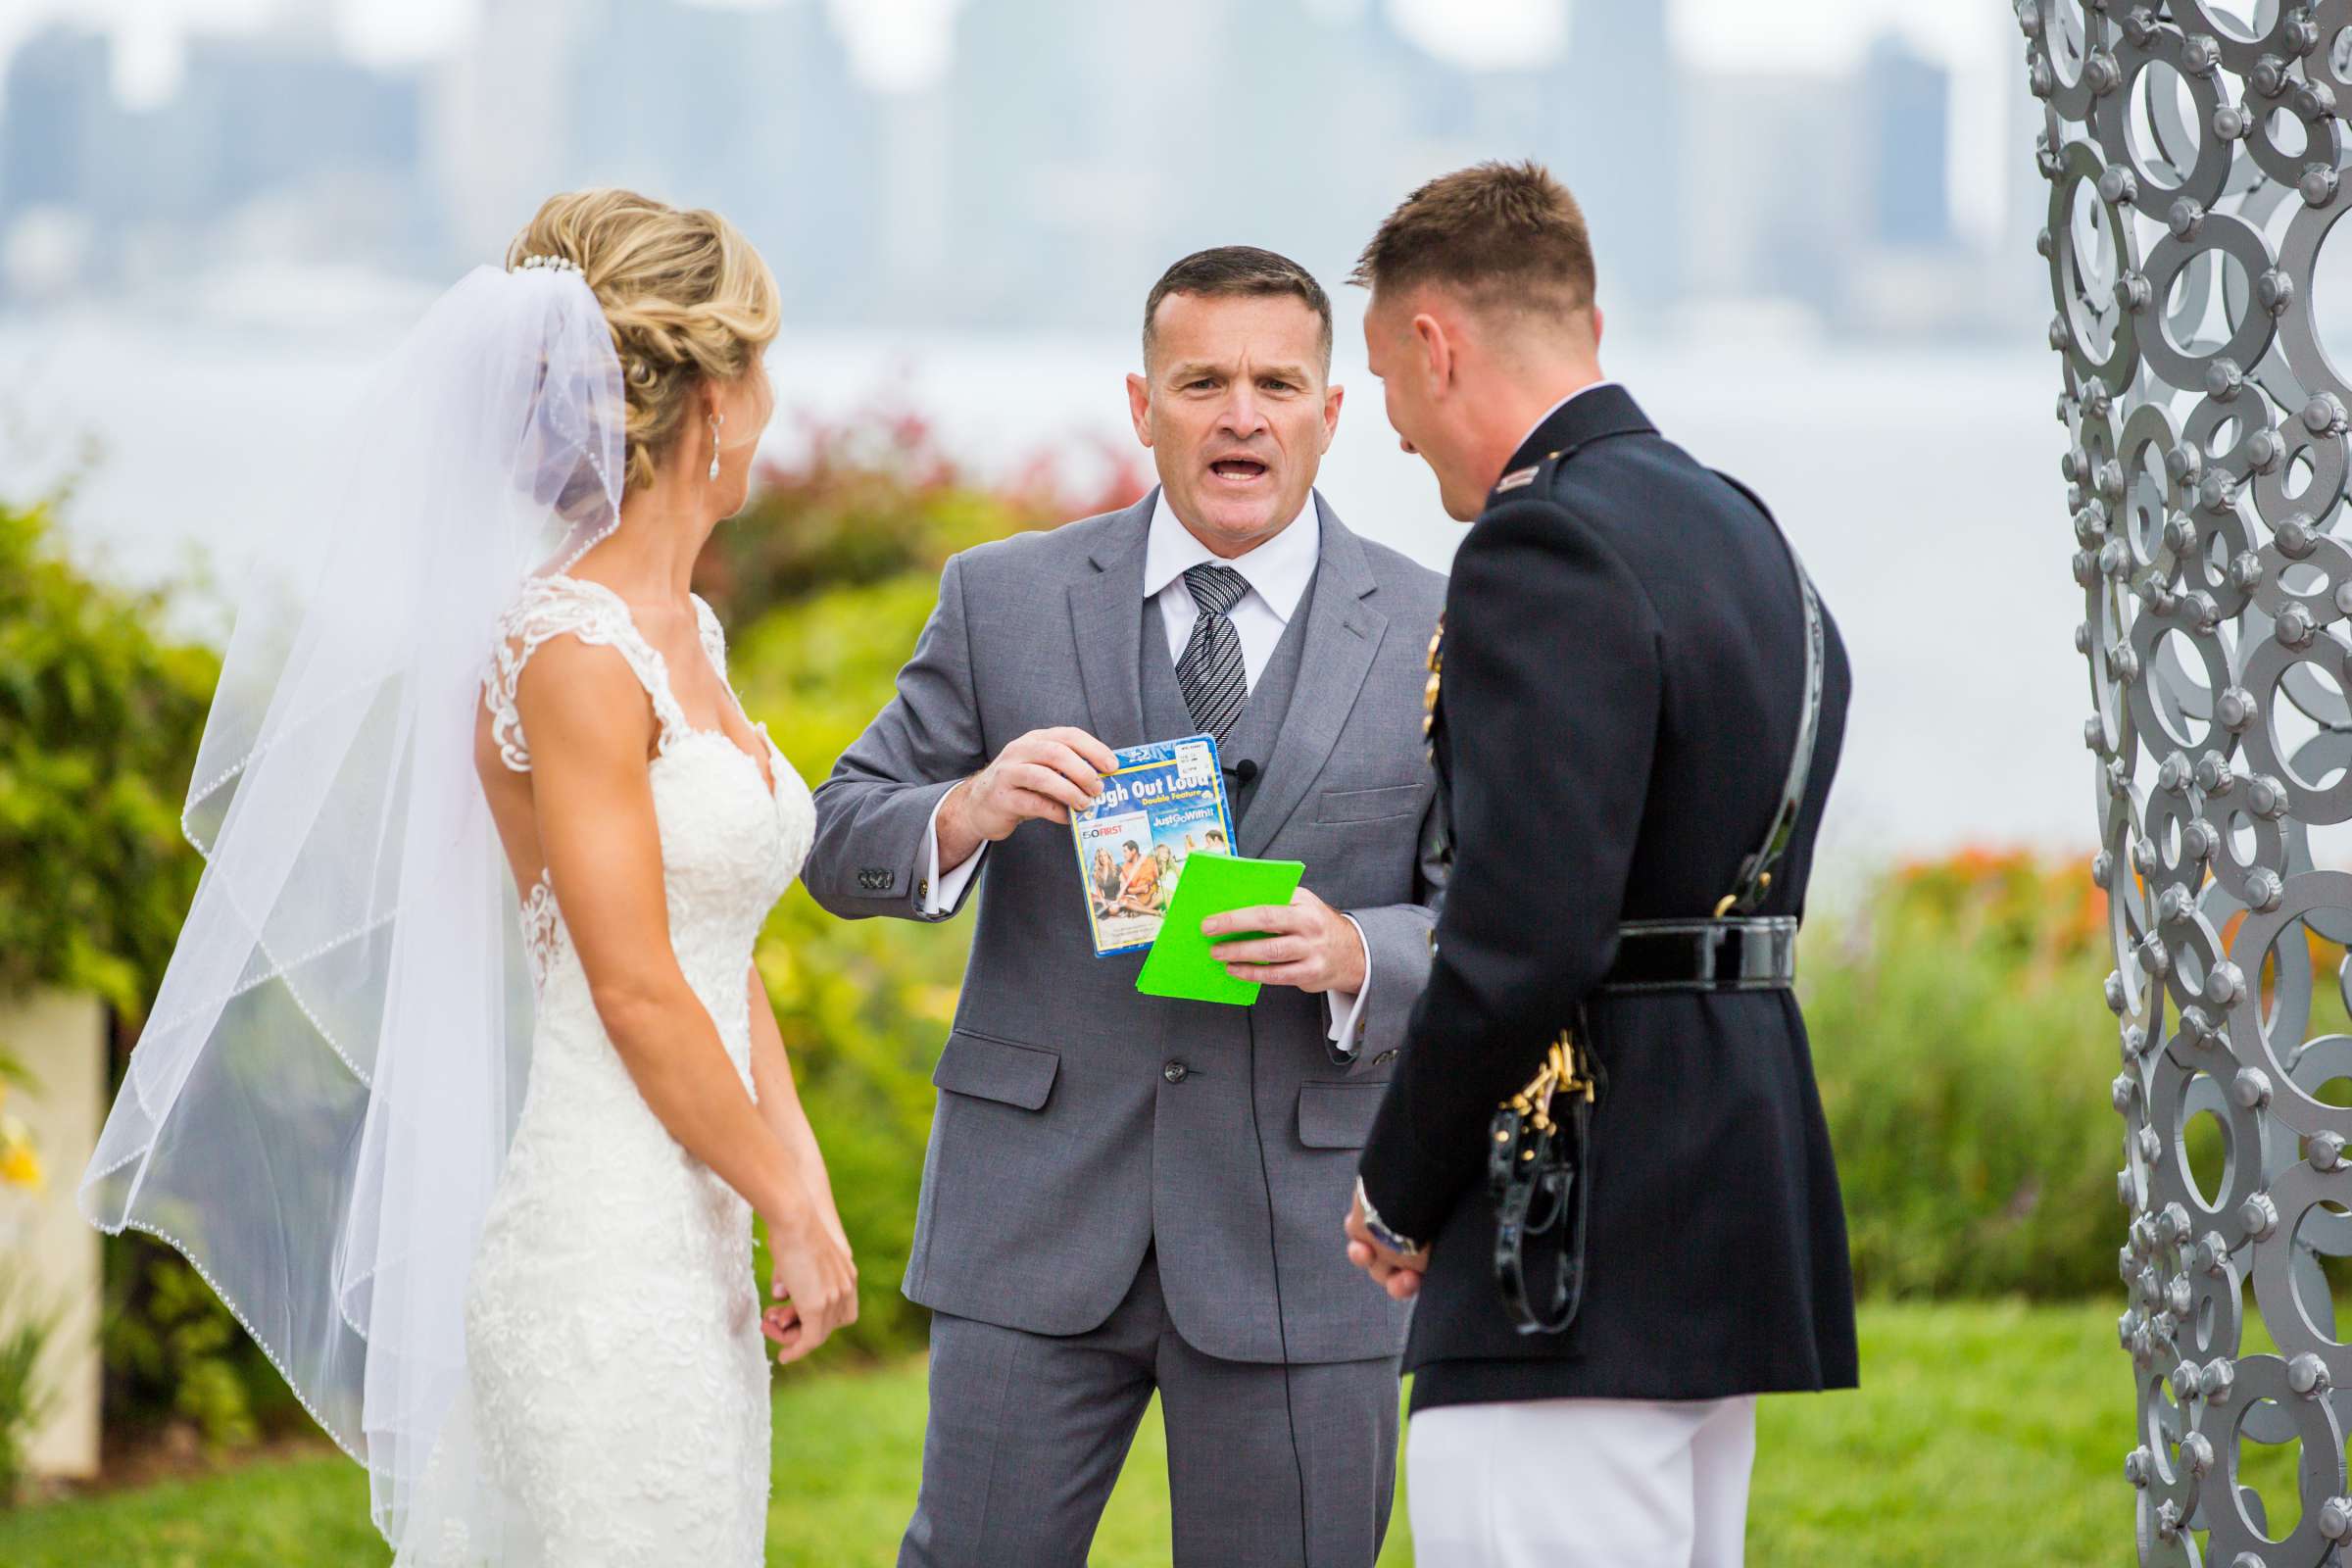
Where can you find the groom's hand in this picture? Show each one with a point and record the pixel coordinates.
(1398, 1273)
(1307, 944)
(1044, 775)
(815, 1283)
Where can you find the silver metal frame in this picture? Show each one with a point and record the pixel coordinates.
(2195, 154)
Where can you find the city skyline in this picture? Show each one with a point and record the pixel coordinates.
(899, 45)
(1066, 153)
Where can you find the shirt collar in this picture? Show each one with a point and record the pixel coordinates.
(1277, 571)
(1556, 408)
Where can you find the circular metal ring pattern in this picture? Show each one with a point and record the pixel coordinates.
(2262, 1381)
(2316, 797)
(2331, 61)
(2241, 41)
(2256, 446)
(2178, 268)
(2309, 475)
(2159, 121)
(2091, 326)
(2064, 31)
(2258, 1051)
(2152, 467)
(2196, 157)
(2185, 675)
(2307, 231)
(2289, 135)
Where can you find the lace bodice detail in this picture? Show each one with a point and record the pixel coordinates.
(616, 1406)
(556, 606)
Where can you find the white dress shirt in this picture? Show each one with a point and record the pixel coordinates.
(1278, 571)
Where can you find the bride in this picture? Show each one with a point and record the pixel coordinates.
(477, 1171)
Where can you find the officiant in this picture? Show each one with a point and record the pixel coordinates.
(1126, 1193)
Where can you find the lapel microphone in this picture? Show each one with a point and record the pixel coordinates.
(1242, 771)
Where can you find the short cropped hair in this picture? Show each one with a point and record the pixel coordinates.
(1235, 271)
(1500, 233)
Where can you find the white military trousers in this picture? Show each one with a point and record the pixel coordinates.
(1581, 1484)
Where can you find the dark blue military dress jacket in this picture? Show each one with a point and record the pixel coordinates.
(1623, 668)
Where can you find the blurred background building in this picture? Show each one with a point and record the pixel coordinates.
(1056, 154)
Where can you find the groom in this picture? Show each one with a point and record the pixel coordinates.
(1649, 922)
(1126, 1193)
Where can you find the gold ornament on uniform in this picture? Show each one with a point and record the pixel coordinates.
(1429, 693)
(1564, 1073)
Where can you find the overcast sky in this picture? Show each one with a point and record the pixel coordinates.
(899, 43)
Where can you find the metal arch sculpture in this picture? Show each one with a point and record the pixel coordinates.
(2195, 154)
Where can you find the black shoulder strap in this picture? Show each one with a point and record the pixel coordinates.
(1756, 871)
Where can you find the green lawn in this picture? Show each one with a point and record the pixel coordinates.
(1984, 1433)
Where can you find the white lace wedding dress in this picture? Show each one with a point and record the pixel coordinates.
(616, 1412)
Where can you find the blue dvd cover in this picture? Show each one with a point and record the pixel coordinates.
(1164, 803)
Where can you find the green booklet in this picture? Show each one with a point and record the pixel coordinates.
(1183, 962)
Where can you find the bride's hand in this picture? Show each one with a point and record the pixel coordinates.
(815, 1285)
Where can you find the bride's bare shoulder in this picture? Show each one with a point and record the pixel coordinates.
(565, 679)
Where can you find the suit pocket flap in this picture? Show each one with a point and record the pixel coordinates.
(1369, 805)
(1337, 1115)
(997, 1069)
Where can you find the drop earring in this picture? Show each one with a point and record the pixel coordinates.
(716, 419)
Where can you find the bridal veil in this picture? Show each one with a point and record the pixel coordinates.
(320, 1100)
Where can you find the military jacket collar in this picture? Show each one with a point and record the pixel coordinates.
(1601, 410)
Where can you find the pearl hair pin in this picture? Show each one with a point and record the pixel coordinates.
(548, 263)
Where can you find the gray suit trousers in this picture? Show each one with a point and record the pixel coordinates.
(1268, 1466)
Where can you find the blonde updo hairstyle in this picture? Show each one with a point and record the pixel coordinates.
(685, 294)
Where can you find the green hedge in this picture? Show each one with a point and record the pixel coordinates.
(100, 713)
(876, 497)
(1964, 1053)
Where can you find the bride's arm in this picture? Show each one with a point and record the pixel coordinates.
(593, 802)
(780, 1106)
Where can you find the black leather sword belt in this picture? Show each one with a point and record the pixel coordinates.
(1754, 955)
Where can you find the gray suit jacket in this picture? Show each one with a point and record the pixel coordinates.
(1079, 1121)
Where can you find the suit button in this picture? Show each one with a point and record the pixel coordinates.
(1175, 1072)
(923, 889)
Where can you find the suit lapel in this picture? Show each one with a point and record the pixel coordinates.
(1342, 633)
(1106, 619)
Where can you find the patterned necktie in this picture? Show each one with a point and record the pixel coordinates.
(1215, 681)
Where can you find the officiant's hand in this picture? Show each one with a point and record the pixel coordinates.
(1044, 775)
(1307, 944)
(1398, 1273)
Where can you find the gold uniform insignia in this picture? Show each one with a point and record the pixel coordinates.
(1429, 694)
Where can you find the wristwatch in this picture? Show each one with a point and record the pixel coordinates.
(1402, 1246)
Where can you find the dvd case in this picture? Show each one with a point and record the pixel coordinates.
(1162, 804)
